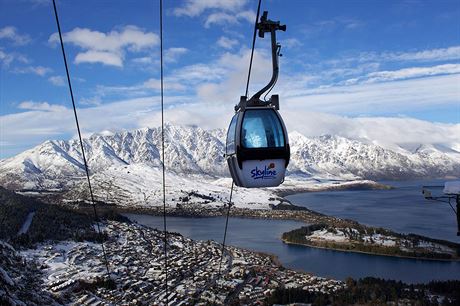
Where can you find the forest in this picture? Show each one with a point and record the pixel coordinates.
(375, 291)
(50, 222)
(357, 243)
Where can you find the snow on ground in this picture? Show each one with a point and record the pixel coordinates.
(66, 259)
(345, 235)
(324, 234)
(136, 185)
(380, 240)
(435, 247)
(58, 164)
(294, 182)
(349, 235)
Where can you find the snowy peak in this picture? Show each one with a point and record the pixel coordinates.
(342, 157)
(192, 150)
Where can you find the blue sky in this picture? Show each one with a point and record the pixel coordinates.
(347, 67)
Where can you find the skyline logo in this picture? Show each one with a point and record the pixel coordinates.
(268, 172)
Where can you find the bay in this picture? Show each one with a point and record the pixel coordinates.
(402, 209)
(264, 236)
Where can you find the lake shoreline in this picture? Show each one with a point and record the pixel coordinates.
(368, 253)
(285, 210)
(339, 186)
(307, 217)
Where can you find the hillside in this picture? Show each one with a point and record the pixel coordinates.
(125, 166)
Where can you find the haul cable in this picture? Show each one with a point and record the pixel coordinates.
(233, 183)
(163, 152)
(96, 218)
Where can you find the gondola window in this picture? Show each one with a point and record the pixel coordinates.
(262, 129)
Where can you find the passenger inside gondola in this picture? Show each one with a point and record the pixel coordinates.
(262, 129)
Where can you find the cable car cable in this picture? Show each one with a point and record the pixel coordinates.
(226, 226)
(163, 152)
(253, 46)
(96, 218)
(233, 182)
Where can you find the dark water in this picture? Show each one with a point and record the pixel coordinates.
(264, 236)
(402, 209)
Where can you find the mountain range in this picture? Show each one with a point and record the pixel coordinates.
(195, 152)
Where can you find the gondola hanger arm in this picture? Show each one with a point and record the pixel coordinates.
(266, 25)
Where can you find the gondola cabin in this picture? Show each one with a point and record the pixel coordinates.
(257, 148)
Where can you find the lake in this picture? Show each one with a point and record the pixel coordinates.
(264, 235)
(402, 209)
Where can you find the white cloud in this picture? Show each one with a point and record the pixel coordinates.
(197, 73)
(223, 81)
(42, 120)
(441, 54)
(103, 57)
(173, 54)
(350, 61)
(351, 24)
(356, 70)
(290, 43)
(187, 77)
(130, 37)
(41, 106)
(374, 98)
(220, 18)
(412, 72)
(248, 15)
(143, 60)
(330, 25)
(384, 131)
(168, 85)
(57, 80)
(137, 90)
(108, 48)
(233, 71)
(218, 12)
(227, 43)
(178, 80)
(12, 34)
(430, 55)
(38, 70)
(193, 8)
(6, 58)
(218, 84)
(93, 101)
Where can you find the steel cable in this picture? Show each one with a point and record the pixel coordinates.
(253, 46)
(163, 152)
(233, 183)
(81, 141)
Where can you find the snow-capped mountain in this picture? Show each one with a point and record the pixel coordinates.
(342, 157)
(194, 151)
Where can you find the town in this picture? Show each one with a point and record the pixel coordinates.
(74, 271)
